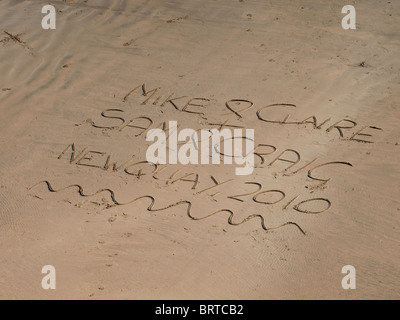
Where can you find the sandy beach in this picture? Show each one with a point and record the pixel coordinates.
(76, 189)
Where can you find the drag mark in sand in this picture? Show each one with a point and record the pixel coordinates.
(16, 39)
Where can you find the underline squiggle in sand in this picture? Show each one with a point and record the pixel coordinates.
(153, 202)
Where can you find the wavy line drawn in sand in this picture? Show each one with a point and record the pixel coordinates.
(151, 208)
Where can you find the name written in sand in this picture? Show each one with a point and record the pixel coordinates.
(345, 128)
(272, 160)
